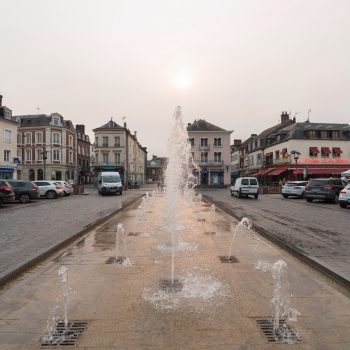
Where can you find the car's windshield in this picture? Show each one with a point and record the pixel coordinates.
(111, 178)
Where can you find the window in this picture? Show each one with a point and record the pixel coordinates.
(259, 158)
(105, 141)
(96, 141)
(28, 137)
(204, 142)
(245, 182)
(277, 155)
(8, 136)
(28, 154)
(39, 137)
(324, 134)
(336, 151)
(117, 158)
(105, 158)
(55, 121)
(217, 157)
(39, 154)
(70, 157)
(117, 141)
(70, 140)
(56, 154)
(313, 151)
(191, 141)
(19, 139)
(335, 134)
(7, 155)
(204, 157)
(217, 142)
(312, 134)
(56, 138)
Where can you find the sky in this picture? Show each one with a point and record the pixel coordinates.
(235, 63)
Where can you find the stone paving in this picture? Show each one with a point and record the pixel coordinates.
(216, 309)
(30, 230)
(320, 230)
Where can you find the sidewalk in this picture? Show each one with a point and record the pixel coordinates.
(217, 308)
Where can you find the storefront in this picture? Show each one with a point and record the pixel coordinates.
(8, 172)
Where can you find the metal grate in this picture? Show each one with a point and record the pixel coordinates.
(210, 233)
(228, 259)
(65, 335)
(134, 233)
(170, 287)
(284, 334)
(117, 260)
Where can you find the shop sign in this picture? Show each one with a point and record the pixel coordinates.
(325, 160)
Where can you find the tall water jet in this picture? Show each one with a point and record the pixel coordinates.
(179, 178)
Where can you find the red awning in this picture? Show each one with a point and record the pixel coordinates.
(254, 174)
(269, 154)
(337, 150)
(325, 150)
(314, 150)
(265, 171)
(277, 172)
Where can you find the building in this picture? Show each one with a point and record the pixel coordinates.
(306, 150)
(47, 146)
(210, 147)
(116, 149)
(8, 144)
(156, 169)
(85, 176)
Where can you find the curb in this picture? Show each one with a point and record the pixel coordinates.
(285, 245)
(22, 268)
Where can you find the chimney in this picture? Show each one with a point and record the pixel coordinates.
(253, 135)
(80, 128)
(188, 124)
(0, 100)
(284, 117)
(154, 157)
(125, 125)
(237, 142)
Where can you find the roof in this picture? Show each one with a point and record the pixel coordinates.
(110, 125)
(34, 120)
(202, 125)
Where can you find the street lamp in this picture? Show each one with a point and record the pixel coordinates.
(44, 154)
(296, 155)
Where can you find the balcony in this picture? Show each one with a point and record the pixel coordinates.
(204, 148)
(209, 162)
(121, 163)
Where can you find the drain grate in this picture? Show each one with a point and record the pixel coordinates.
(210, 233)
(228, 259)
(167, 286)
(201, 220)
(66, 336)
(134, 233)
(285, 333)
(117, 260)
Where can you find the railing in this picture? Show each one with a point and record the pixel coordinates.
(121, 163)
(209, 162)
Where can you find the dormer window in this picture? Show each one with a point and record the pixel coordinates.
(55, 121)
(312, 134)
(335, 134)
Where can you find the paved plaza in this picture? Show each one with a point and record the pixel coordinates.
(217, 308)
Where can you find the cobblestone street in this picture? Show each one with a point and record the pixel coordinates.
(319, 229)
(28, 231)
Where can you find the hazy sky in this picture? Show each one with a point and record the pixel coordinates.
(235, 63)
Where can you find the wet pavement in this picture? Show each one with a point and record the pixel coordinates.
(217, 307)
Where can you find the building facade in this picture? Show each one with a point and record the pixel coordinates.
(116, 149)
(156, 169)
(47, 145)
(210, 147)
(85, 176)
(8, 144)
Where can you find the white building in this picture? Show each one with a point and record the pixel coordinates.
(211, 150)
(8, 144)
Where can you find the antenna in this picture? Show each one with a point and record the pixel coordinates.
(308, 114)
(123, 118)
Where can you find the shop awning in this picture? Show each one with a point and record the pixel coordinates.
(269, 154)
(278, 172)
(337, 150)
(7, 170)
(265, 171)
(325, 150)
(314, 150)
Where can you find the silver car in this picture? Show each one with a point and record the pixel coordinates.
(294, 188)
(49, 189)
(66, 186)
(344, 196)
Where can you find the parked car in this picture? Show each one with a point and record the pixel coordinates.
(24, 190)
(344, 196)
(294, 188)
(245, 186)
(6, 192)
(49, 189)
(67, 187)
(326, 189)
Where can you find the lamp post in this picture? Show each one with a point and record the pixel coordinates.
(44, 154)
(296, 155)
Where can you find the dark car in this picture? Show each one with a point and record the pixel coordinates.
(326, 189)
(25, 191)
(6, 192)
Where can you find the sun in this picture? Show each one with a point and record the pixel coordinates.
(183, 81)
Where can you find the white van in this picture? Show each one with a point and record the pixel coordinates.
(109, 182)
(245, 186)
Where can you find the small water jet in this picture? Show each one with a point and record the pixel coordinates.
(282, 314)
